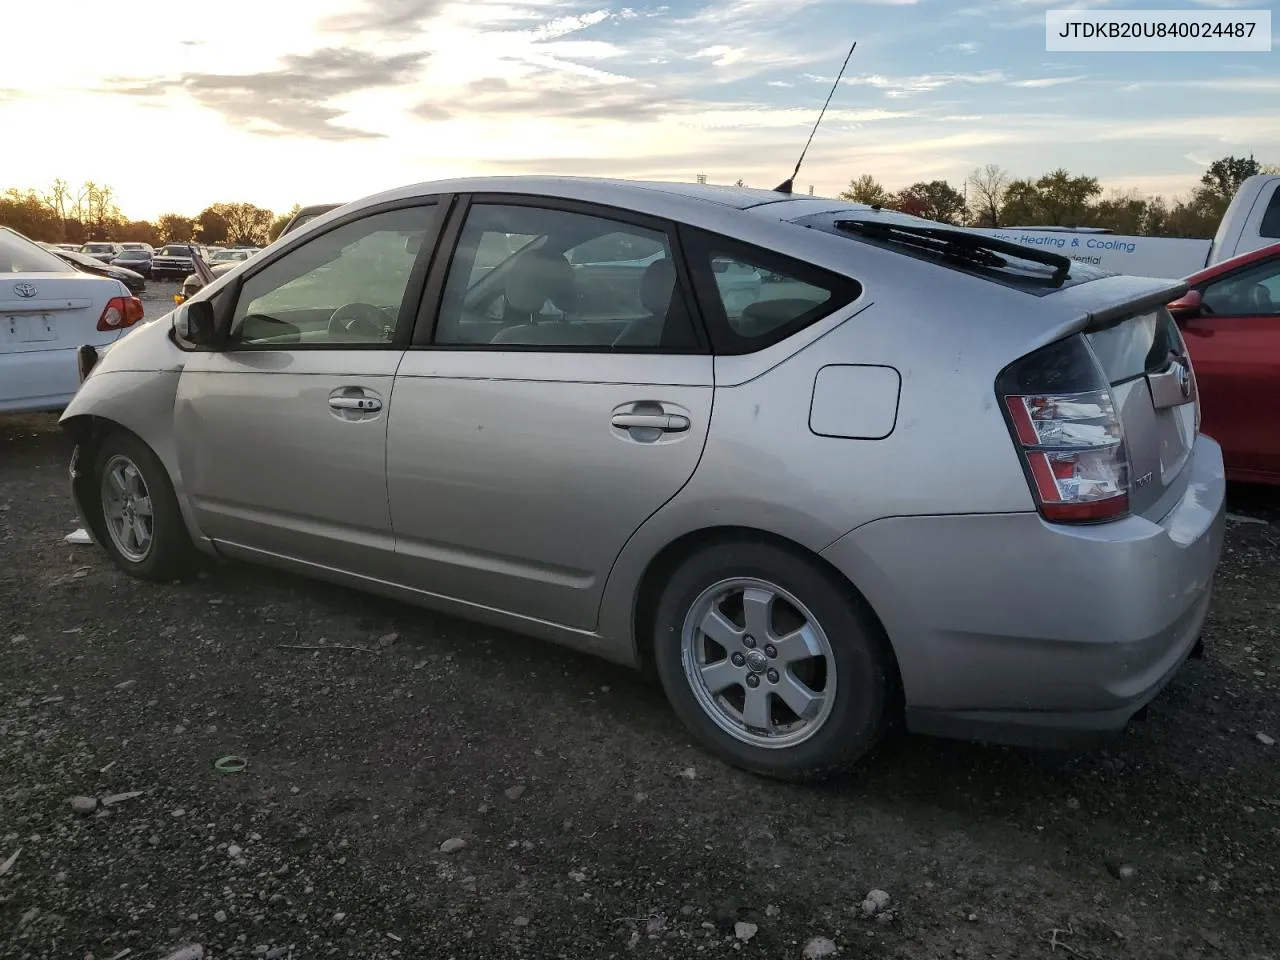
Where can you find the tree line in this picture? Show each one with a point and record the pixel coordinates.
(66, 214)
(992, 197)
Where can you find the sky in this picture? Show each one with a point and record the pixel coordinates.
(275, 103)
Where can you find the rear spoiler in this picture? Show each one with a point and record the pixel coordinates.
(1119, 312)
(1107, 301)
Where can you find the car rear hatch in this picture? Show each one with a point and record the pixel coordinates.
(1145, 360)
(42, 311)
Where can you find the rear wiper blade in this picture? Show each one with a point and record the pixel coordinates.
(962, 246)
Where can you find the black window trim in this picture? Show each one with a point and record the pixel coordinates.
(433, 296)
(1204, 285)
(409, 301)
(1270, 214)
(725, 341)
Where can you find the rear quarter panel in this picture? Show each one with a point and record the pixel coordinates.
(949, 451)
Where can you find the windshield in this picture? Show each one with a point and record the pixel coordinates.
(176, 250)
(98, 248)
(133, 255)
(20, 255)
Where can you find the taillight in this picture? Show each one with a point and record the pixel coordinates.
(120, 312)
(1064, 421)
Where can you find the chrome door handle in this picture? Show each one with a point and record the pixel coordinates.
(668, 423)
(355, 403)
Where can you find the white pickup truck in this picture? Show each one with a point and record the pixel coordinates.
(1252, 221)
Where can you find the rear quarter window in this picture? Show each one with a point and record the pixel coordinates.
(752, 298)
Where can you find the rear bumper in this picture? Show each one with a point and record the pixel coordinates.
(39, 380)
(1010, 629)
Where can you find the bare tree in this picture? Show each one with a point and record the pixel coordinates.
(56, 198)
(988, 184)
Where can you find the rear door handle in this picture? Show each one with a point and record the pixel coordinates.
(355, 403)
(666, 422)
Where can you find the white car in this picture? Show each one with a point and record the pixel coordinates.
(47, 311)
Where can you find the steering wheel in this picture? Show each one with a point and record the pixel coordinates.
(363, 320)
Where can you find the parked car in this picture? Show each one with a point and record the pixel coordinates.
(105, 251)
(47, 312)
(927, 476)
(172, 261)
(135, 259)
(135, 281)
(306, 214)
(1230, 318)
(233, 255)
(219, 263)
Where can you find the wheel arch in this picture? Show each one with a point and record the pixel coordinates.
(87, 430)
(661, 566)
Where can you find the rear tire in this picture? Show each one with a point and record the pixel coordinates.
(138, 519)
(770, 661)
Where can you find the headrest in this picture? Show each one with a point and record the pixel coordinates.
(539, 276)
(1260, 299)
(656, 285)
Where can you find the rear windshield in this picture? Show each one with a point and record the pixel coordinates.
(20, 255)
(133, 255)
(1029, 274)
(180, 251)
(1138, 346)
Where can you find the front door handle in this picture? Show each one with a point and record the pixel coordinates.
(367, 404)
(666, 422)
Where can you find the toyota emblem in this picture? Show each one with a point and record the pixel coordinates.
(25, 290)
(1184, 378)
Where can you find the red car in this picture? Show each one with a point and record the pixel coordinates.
(1230, 319)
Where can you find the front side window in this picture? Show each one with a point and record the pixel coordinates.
(525, 276)
(343, 286)
(1254, 292)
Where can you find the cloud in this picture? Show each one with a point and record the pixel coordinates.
(921, 83)
(394, 17)
(547, 94)
(721, 56)
(294, 100)
(968, 47)
(1045, 82)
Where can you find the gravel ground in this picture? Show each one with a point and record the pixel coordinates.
(447, 790)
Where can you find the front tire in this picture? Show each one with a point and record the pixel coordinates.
(138, 517)
(771, 662)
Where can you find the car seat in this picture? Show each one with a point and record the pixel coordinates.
(657, 285)
(539, 277)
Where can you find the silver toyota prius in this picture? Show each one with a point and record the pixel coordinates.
(820, 466)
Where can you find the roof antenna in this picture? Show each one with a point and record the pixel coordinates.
(786, 185)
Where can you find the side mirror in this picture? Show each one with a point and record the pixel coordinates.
(202, 326)
(1186, 307)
